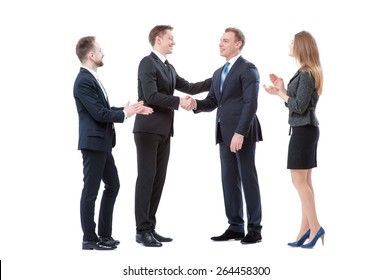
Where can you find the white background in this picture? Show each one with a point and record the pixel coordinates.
(41, 173)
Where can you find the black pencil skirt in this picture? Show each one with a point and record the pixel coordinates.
(302, 147)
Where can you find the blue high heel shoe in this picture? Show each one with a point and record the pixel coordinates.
(301, 241)
(319, 234)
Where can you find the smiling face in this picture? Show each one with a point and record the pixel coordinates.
(165, 43)
(229, 46)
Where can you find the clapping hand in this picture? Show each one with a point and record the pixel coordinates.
(278, 84)
(137, 108)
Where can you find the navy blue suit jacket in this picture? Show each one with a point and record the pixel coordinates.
(236, 103)
(96, 118)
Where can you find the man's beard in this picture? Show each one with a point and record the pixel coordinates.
(99, 63)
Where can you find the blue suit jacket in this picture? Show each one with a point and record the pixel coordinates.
(236, 103)
(96, 118)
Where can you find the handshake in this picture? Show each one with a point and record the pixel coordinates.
(188, 103)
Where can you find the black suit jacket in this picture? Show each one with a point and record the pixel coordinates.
(236, 103)
(156, 85)
(96, 118)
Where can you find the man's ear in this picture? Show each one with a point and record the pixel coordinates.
(91, 55)
(158, 40)
(239, 44)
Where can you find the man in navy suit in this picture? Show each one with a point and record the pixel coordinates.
(96, 139)
(157, 80)
(234, 92)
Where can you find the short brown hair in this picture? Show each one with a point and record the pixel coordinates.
(239, 36)
(158, 30)
(85, 45)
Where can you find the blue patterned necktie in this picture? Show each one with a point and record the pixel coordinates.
(224, 74)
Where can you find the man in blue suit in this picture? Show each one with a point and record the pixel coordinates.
(96, 139)
(234, 92)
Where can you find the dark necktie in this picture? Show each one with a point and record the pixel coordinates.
(167, 67)
(224, 75)
(169, 74)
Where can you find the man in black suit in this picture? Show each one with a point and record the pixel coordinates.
(157, 80)
(234, 92)
(96, 139)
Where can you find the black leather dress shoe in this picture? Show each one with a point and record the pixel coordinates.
(98, 245)
(251, 238)
(160, 238)
(109, 240)
(148, 240)
(228, 235)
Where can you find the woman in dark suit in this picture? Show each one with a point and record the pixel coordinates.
(301, 98)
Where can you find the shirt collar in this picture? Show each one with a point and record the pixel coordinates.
(233, 60)
(94, 73)
(159, 55)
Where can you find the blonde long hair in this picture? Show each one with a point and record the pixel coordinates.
(305, 50)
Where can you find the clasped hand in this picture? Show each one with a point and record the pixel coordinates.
(188, 103)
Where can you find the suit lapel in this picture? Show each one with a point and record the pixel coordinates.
(230, 73)
(294, 76)
(161, 65)
(103, 94)
(166, 70)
